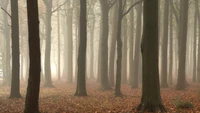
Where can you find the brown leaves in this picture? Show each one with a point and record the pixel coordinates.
(62, 100)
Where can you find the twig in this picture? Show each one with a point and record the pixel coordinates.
(6, 12)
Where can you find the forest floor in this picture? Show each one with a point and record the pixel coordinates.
(61, 99)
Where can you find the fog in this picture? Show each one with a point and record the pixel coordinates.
(146, 52)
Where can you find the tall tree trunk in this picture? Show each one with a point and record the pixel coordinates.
(15, 84)
(81, 82)
(196, 65)
(151, 99)
(119, 51)
(47, 67)
(170, 78)
(182, 35)
(131, 39)
(58, 26)
(69, 44)
(124, 51)
(7, 38)
(92, 31)
(137, 46)
(32, 95)
(113, 45)
(104, 45)
(164, 46)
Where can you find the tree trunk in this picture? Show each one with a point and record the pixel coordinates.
(7, 38)
(32, 95)
(92, 31)
(119, 51)
(47, 67)
(69, 44)
(137, 46)
(170, 77)
(151, 99)
(15, 83)
(81, 82)
(58, 26)
(124, 58)
(113, 45)
(131, 39)
(164, 46)
(104, 45)
(182, 35)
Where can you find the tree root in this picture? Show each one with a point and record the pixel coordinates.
(150, 108)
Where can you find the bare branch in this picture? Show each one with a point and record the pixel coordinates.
(111, 3)
(59, 6)
(124, 5)
(6, 12)
(136, 3)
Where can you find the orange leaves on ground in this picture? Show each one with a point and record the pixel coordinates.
(62, 100)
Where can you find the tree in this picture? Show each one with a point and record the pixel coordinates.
(137, 46)
(182, 36)
(69, 43)
(47, 67)
(58, 26)
(170, 78)
(131, 39)
(113, 44)
(15, 83)
(32, 95)
(104, 44)
(121, 13)
(195, 42)
(7, 73)
(81, 82)
(151, 99)
(164, 46)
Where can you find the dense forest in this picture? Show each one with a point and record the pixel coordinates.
(99, 56)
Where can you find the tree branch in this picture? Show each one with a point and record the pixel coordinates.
(124, 5)
(6, 12)
(59, 6)
(136, 3)
(111, 3)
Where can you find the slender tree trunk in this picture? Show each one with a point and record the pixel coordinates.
(58, 26)
(181, 81)
(119, 51)
(15, 83)
(170, 77)
(104, 45)
(7, 38)
(92, 31)
(137, 46)
(81, 82)
(124, 51)
(32, 95)
(113, 45)
(131, 39)
(164, 46)
(197, 76)
(69, 44)
(47, 67)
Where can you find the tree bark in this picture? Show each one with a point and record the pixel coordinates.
(151, 99)
(81, 82)
(182, 35)
(104, 45)
(165, 46)
(32, 95)
(47, 67)
(137, 46)
(15, 83)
